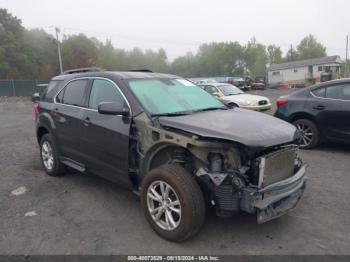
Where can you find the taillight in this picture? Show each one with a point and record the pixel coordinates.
(281, 101)
(36, 108)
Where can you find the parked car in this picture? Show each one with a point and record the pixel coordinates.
(238, 82)
(320, 112)
(205, 81)
(177, 147)
(232, 96)
(259, 83)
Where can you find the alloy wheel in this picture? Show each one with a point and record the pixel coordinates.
(47, 155)
(306, 134)
(164, 205)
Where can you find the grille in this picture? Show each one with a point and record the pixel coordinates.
(262, 102)
(277, 166)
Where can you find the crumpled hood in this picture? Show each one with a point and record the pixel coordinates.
(247, 127)
(244, 98)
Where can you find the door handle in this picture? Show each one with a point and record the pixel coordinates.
(87, 121)
(319, 107)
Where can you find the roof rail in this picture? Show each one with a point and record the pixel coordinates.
(82, 70)
(141, 70)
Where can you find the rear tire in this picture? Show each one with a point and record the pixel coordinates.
(182, 187)
(309, 133)
(50, 157)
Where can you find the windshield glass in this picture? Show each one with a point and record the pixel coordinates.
(228, 90)
(166, 96)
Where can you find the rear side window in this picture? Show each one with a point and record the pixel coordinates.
(104, 91)
(320, 92)
(74, 93)
(51, 90)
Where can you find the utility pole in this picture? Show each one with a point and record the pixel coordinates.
(59, 49)
(346, 57)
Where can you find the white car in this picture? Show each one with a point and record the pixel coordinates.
(205, 81)
(231, 95)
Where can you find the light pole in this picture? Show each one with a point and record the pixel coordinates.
(59, 49)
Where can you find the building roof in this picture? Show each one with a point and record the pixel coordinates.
(308, 62)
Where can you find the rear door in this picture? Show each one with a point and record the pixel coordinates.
(106, 137)
(331, 105)
(68, 112)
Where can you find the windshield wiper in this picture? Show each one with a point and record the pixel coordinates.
(183, 113)
(210, 108)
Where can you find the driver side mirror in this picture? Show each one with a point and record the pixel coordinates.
(113, 108)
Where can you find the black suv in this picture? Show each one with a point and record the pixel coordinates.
(172, 143)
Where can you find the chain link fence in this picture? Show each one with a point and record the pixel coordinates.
(21, 87)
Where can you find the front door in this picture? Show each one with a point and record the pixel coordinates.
(106, 137)
(331, 104)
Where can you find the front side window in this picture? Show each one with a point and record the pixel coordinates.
(104, 91)
(211, 89)
(338, 92)
(166, 96)
(74, 93)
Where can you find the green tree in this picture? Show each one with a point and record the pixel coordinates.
(292, 55)
(218, 58)
(13, 60)
(309, 47)
(256, 58)
(184, 65)
(110, 58)
(41, 52)
(274, 54)
(78, 51)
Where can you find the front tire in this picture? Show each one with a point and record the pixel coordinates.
(50, 157)
(173, 202)
(309, 134)
(232, 105)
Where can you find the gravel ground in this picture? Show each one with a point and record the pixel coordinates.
(84, 214)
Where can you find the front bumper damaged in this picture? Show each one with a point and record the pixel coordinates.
(276, 199)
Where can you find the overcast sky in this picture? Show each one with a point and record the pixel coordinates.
(182, 25)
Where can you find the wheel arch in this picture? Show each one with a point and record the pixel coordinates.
(303, 115)
(40, 132)
(232, 104)
(46, 125)
(158, 153)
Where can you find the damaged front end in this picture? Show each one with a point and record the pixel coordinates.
(266, 180)
(268, 183)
